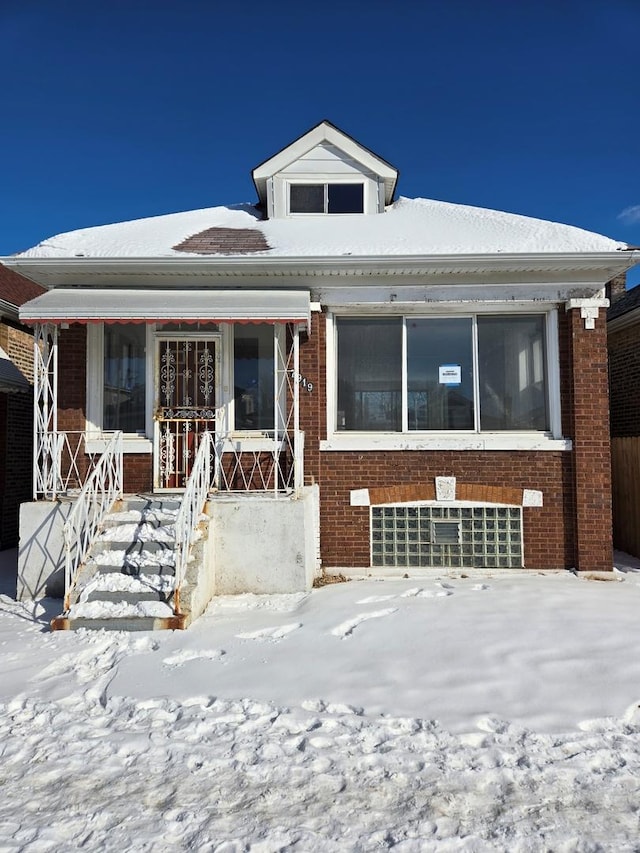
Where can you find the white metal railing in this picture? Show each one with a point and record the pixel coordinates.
(243, 464)
(100, 491)
(62, 462)
(190, 512)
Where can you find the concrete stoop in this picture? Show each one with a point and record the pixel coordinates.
(247, 543)
(128, 581)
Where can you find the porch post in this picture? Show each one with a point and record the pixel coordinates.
(287, 438)
(276, 404)
(590, 434)
(298, 476)
(46, 459)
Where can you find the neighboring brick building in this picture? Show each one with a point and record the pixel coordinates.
(623, 323)
(447, 365)
(623, 326)
(16, 402)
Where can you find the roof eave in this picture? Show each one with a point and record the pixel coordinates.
(629, 318)
(8, 309)
(51, 272)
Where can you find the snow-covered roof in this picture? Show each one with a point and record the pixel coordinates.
(419, 227)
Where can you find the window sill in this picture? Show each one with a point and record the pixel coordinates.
(130, 444)
(402, 441)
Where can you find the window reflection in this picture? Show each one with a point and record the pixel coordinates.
(124, 377)
(254, 376)
(370, 374)
(440, 398)
(512, 373)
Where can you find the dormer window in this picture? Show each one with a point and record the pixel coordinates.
(326, 198)
(323, 172)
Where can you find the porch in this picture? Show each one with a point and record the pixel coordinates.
(171, 551)
(218, 415)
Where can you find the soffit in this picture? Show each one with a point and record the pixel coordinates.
(202, 271)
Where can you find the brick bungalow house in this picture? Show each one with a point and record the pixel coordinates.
(437, 372)
(16, 402)
(623, 326)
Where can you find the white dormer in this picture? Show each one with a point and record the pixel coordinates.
(324, 172)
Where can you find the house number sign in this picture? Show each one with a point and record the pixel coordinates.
(302, 381)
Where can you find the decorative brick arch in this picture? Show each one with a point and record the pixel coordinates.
(471, 492)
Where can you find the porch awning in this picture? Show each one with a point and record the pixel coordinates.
(89, 305)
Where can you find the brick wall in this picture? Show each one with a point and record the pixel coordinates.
(138, 473)
(624, 372)
(72, 377)
(16, 481)
(569, 530)
(16, 436)
(345, 529)
(18, 344)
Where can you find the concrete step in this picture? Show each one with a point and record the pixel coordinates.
(128, 582)
(120, 587)
(129, 566)
(130, 532)
(134, 546)
(155, 504)
(150, 518)
(122, 596)
(123, 623)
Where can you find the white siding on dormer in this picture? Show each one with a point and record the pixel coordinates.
(328, 160)
(324, 163)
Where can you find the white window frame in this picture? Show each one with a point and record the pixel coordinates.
(97, 437)
(325, 184)
(248, 439)
(551, 440)
(370, 194)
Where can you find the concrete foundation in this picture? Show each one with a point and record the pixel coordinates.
(264, 545)
(41, 549)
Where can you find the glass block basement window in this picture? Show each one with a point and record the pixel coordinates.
(451, 537)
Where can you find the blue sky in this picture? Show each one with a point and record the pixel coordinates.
(118, 110)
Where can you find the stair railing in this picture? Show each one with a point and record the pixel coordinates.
(189, 515)
(101, 489)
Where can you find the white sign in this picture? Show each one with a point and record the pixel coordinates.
(450, 374)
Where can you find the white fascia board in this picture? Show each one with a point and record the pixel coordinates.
(8, 309)
(53, 272)
(403, 297)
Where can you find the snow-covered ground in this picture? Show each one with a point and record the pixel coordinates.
(423, 714)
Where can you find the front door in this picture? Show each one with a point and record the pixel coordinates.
(186, 394)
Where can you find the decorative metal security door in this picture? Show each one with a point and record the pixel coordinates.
(186, 383)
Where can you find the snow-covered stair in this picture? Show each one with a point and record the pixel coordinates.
(128, 582)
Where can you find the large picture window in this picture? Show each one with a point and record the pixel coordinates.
(474, 373)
